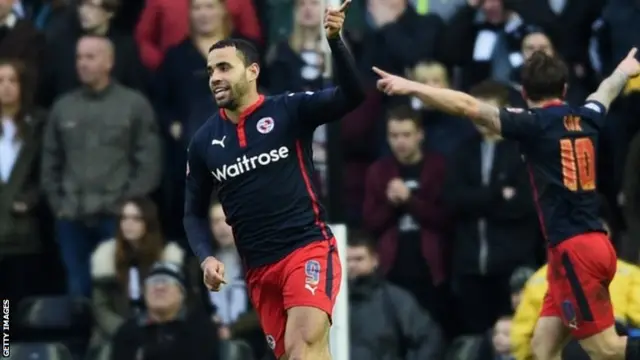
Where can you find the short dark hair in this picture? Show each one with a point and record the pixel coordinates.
(405, 112)
(359, 237)
(248, 53)
(544, 76)
(490, 89)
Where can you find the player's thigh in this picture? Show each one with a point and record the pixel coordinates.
(605, 345)
(266, 298)
(550, 334)
(312, 282)
(307, 326)
(582, 287)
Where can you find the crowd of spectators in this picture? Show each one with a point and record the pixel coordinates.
(99, 98)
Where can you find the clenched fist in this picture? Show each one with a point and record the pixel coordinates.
(213, 270)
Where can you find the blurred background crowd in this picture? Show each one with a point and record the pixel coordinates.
(99, 98)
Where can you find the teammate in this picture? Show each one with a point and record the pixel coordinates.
(559, 143)
(256, 152)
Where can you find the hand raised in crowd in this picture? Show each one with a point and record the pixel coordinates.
(630, 65)
(334, 19)
(213, 270)
(393, 84)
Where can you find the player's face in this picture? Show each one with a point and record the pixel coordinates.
(162, 294)
(360, 261)
(404, 138)
(132, 223)
(93, 59)
(9, 86)
(207, 16)
(501, 334)
(219, 228)
(229, 78)
(536, 42)
(308, 13)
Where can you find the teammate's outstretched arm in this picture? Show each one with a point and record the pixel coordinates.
(610, 87)
(449, 101)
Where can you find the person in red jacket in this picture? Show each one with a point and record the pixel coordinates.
(164, 23)
(403, 208)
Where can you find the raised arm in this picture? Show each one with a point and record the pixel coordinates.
(610, 87)
(449, 101)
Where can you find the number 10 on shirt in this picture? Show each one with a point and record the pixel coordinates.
(578, 164)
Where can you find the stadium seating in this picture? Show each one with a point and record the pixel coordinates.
(56, 319)
(39, 351)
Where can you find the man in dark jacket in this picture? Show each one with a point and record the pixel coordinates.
(495, 225)
(386, 322)
(402, 208)
(168, 330)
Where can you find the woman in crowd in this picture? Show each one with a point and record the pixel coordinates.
(20, 136)
(183, 98)
(119, 265)
(297, 64)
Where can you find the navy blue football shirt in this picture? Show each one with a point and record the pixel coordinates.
(262, 169)
(559, 144)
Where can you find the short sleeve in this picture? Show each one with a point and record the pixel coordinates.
(594, 111)
(518, 124)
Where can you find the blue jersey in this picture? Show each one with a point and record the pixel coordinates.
(559, 144)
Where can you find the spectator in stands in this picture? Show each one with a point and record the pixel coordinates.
(484, 38)
(631, 200)
(20, 141)
(89, 18)
(488, 191)
(297, 64)
(165, 23)
(183, 100)
(231, 303)
(101, 146)
(624, 289)
(444, 132)
(394, 28)
(168, 329)
(385, 321)
(569, 26)
(49, 16)
(20, 40)
(403, 209)
(443, 8)
(517, 282)
(119, 266)
(500, 339)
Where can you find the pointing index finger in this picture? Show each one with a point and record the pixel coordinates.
(381, 73)
(632, 53)
(344, 6)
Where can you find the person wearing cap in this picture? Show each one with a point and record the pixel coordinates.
(623, 290)
(167, 329)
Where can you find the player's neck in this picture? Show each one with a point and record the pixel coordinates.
(544, 103)
(245, 103)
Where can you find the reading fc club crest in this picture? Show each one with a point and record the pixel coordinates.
(265, 125)
(271, 342)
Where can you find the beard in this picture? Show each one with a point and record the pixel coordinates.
(235, 92)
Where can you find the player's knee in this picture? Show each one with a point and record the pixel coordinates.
(605, 346)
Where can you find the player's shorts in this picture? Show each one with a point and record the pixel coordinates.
(309, 276)
(579, 273)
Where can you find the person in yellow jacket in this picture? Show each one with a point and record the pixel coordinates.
(623, 289)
